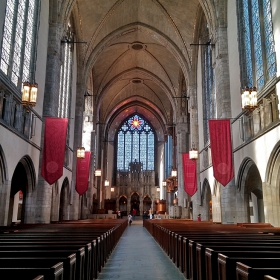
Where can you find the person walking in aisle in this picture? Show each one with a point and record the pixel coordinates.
(151, 213)
(129, 219)
(133, 213)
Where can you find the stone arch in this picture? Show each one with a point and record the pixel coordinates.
(3, 167)
(123, 205)
(250, 198)
(216, 202)
(139, 71)
(184, 62)
(211, 15)
(271, 190)
(135, 203)
(55, 202)
(23, 182)
(206, 199)
(147, 204)
(64, 201)
(3, 186)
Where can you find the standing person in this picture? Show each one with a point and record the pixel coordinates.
(133, 213)
(199, 217)
(129, 219)
(118, 214)
(151, 213)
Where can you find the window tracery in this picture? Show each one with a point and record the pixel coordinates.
(19, 40)
(256, 43)
(136, 141)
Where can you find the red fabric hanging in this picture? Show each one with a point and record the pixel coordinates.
(189, 171)
(221, 150)
(54, 149)
(82, 173)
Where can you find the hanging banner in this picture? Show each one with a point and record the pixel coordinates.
(82, 173)
(221, 150)
(189, 171)
(54, 149)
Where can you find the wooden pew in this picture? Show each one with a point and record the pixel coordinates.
(91, 254)
(268, 277)
(69, 261)
(60, 237)
(50, 273)
(215, 270)
(211, 259)
(174, 237)
(245, 272)
(82, 258)
(197, 253)
(227, 265)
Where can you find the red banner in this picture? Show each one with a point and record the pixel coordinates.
(54, 149)
(221, 150)
(189, 171)
(82, 173)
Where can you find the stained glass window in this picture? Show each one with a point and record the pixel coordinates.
(256, 43)
(207, 90)
(19, 40)
(136, 141)
(65, 79)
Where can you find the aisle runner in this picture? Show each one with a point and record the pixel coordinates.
(138, 256)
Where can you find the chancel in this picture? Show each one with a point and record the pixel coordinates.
(165, 110)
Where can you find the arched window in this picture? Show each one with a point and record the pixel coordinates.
(256, 42)
(136, 141)
(66, 77)
(208, 96)
(18, 52)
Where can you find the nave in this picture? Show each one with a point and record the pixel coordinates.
(138, 256)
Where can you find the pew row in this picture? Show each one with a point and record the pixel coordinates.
(81, 248)
(194, 247)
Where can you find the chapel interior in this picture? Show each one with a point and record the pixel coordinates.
(134, 85)
(164, 109)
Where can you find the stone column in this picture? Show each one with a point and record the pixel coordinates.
(4, 205)
(194, 139)
(50, 109)
(79, 118)
(183, 147)
(92, 186)
(223, 106)
(99, 151)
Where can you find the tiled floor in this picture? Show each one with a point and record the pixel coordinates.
(138, 256)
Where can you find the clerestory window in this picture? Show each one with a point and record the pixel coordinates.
(135, 142)
(66, 77)
(256, 42)
(208, 95)
(18, 49)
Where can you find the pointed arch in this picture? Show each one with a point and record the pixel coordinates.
(3, 167)
(23, 180)
(272, 187)
(135, 143)
(206, 198)
(216, 202)
(64, 200)
(250, 198)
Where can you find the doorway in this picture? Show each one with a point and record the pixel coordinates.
(18, 195)
(123, 205)
(147, 204)
(251, 192)
(206, 196)
(64, 201)
(135, 202)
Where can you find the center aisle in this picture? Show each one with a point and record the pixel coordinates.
(138, 256)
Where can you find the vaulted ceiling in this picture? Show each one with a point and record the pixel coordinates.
(140, 56)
